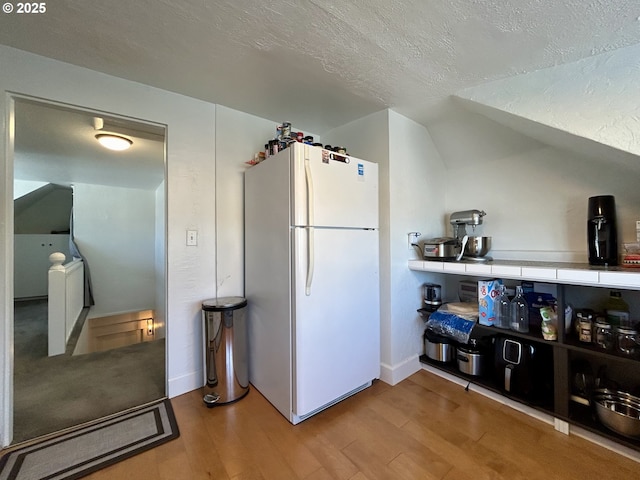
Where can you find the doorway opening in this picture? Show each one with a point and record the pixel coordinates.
(117, 225)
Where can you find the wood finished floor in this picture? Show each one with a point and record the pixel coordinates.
(423, 428)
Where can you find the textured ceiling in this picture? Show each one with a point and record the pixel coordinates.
(57, 145)
(323, 63)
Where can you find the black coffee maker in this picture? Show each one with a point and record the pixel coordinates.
(602, 231)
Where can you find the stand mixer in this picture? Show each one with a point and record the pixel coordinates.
(460, 220)
(471, 247)
(453, 248)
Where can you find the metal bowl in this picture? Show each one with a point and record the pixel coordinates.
(619, 411)
(477, 246)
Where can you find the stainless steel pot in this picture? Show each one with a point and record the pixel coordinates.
(439, 348)
(619, 411)
(470, 361)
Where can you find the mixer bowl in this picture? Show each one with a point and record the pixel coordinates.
(477, 246)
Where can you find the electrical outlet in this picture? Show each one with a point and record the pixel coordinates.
(413, 238)
(192, 238)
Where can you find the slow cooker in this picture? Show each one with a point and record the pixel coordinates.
(438, 347)
(441, 248)
(470, 360)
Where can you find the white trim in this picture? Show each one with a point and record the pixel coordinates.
(398, 372)
(6, 267)
(185, 383)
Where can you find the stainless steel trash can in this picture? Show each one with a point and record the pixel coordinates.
(226, 349)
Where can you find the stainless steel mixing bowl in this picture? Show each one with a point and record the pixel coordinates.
(619, 411)
(477, 246)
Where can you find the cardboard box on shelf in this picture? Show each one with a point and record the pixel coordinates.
(487, 293)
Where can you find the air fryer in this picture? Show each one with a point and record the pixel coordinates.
(524, 370)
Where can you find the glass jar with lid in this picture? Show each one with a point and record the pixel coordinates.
(627, 340)
(603, 334)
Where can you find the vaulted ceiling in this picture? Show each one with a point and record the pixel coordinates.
(323, 63)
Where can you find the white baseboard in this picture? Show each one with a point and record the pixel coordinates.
(398, 372)
(185, 383)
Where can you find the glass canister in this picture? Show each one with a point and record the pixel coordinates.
(584, 325)
(585, 329)
(519, 312)
(603, 334)
(627, 340)
(502, 308)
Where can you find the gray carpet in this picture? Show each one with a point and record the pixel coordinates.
(54, 393)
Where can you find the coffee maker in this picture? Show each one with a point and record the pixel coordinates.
(602, 233)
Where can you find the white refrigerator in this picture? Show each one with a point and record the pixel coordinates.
(312, 278)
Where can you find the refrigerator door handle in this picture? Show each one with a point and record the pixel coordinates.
(310, 245)
(310, 260)
(309, 180)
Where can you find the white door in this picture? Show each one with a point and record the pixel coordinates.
(333, 190)
(337, 324)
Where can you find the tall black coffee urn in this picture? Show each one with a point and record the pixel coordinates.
(602, 231)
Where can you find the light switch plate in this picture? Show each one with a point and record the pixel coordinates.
(192, 238)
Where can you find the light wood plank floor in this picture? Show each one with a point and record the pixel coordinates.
(423, 428)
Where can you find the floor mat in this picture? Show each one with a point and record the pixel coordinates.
(78, 453)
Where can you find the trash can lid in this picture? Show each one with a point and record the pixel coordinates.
(224, 303)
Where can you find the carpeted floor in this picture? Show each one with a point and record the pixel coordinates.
(54, 393)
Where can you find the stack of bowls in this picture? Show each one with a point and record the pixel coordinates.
(618, 411)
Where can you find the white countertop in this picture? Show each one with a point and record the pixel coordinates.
(554, 272)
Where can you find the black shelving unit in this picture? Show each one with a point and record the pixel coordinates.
(585, 417)
(486, 382)
(567, 349)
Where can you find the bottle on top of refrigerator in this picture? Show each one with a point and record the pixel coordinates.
(519, 312)
(617, 310)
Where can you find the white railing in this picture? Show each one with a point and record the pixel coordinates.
(66, 300)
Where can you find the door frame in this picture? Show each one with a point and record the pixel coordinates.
(7, 252)
(191, 275)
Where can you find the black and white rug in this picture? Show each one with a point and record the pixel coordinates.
(80, 452)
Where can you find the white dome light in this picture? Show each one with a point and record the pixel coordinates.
(113, 142)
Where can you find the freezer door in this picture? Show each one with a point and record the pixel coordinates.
(337, 325)
(328, 191)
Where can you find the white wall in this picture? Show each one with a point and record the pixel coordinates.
(411, 199)
(535, 195)
(238, 137)
(114, 229)
(590, 107)
(416, 193)
(32, 263)
(191, 174)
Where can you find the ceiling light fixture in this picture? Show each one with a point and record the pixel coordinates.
(114, 142)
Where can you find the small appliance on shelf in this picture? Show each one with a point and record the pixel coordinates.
(461, 244)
